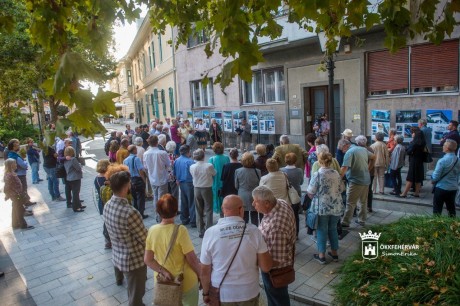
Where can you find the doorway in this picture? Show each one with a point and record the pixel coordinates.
(316, 103)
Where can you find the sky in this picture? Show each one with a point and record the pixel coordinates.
(124, 36)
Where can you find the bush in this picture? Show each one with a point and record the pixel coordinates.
(430, 277)
(16, 125)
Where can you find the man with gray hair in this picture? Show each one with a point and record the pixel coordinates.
(284, 148)
(162, 142)
(396, 163)
(445, 179)
(191, 141)
(279, 231)
(356, 164)
(203, 175)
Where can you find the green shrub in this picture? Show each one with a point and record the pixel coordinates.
(430, 277)
(16, 125)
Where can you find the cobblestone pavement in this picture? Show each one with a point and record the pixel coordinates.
(63, 261)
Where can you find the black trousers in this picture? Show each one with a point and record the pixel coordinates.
(72, 194)
(252, 216)
(138, 193)
(442, 196)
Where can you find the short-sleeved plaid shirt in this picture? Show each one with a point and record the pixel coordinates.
(278, 229)
(127, 234)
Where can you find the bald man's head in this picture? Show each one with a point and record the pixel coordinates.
(233, 206)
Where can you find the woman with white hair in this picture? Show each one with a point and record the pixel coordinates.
(322, 148)
(172, 186)
(13, 190)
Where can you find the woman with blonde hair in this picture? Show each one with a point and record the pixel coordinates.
(114, 146)
(246, 179)
(73, 178)
(325, 190)
(13, 190)
(181, 261)
(99, 182)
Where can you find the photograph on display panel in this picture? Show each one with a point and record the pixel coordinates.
(267, 122)
(381, 122)
(253, 121)
(438, 120)
(206, 118)
(228, 125)
(218, 117)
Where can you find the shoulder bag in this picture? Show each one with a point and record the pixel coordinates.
(435, 183)
(60, 170)
(312, 217)
(283, 276)
(292, 193)
(214, 293)
(427, 156)
(169, 293)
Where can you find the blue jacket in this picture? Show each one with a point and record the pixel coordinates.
(32, 155)
(22, 164)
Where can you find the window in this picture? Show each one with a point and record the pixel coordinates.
(432, 69)
(197, 38)
(139, 69)
(150, 59)
(171, 101)
(153, 55)
(266, 86)
(144, 66)
(160, 48)
(388, 73)
(202, 95)
(130, 78)
(163, 101)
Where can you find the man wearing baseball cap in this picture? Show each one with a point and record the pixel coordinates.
(346, 134)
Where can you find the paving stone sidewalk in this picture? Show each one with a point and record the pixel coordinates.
(63, 261)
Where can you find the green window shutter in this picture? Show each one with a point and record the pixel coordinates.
(171, 101)
(155, 102)
(163, 101)
(147, 105)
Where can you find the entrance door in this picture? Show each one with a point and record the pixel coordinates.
(317, 103)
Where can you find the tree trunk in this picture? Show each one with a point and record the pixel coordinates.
(53, 109)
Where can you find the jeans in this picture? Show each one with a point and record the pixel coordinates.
(442, 196)
(72, 194)
(187, 199)
(252, 217)
(396, 179)
(203, 207)
(327, 228)
(275, 296)
(34, 167)
(53, 182)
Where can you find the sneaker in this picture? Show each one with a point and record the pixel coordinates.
(345, 225)
(321, 260)
(335, 258)
(59, 199)
(360, 222)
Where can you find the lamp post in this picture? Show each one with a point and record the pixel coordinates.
(35, 97)
(330, 101)
(30, 112)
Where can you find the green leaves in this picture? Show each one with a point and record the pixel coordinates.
(103, 103)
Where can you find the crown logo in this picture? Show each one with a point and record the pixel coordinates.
(370, 235)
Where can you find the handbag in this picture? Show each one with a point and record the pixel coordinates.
(427, 156)
(312, 217)
(388, 180)
(282, 277)
(292, 193)
(214, 293)
(435, 183)
(60, 170)
(169, 293)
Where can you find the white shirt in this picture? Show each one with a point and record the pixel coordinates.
(60, 145)
(202, 174)
(201, 127)
(140, 153)
(157, 163)
(219, 245)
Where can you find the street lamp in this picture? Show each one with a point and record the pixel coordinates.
(35, 97)
(330, 68)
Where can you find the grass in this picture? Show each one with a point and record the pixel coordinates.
(431, 277)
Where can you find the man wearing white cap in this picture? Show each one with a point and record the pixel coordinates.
(346, 134)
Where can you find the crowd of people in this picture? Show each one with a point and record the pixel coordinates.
(259, 217)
